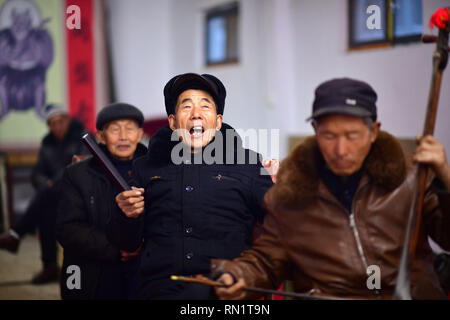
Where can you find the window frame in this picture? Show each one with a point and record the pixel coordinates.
(389, 39)
(221, 11)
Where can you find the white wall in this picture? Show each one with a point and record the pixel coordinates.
(288, 47)
(141, 46)
(401, 75)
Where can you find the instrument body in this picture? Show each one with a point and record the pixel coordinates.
(440, 59)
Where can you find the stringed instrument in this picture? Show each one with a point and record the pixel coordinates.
(439, 19)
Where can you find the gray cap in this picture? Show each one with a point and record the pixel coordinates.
(52, 110)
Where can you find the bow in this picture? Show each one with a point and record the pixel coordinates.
(206, 281)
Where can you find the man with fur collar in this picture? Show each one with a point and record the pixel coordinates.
(194, 207)
(340, 207)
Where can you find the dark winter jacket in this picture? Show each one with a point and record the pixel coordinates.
(55, 155)
(83, 212)
(193, 213)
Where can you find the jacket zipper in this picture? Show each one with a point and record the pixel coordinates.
(358, 241)
(356, 235)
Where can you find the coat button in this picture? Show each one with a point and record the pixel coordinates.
(188, 230)
(189, 255)
(189, 188)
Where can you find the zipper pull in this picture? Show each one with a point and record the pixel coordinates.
(352, 220)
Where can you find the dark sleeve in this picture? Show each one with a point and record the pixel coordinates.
(261, 183)
(39, 175)
(437, 214)
(73, 229)
(265, 265)
(125, 232)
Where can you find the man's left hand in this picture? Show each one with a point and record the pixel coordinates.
(430, 151)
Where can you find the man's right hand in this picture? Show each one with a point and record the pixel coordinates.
(131, 202)
(272, 167)
(233, 290)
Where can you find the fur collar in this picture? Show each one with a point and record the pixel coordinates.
(298, 179)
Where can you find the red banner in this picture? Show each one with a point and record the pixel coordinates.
(80, 63)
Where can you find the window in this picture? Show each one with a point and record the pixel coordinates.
(222, 34)
(384, 22)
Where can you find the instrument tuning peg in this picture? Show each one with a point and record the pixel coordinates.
(428, 38)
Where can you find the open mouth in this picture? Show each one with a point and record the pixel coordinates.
(196, 131)
(123, 147)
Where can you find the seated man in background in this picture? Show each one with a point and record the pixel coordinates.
(340, 207)
(56, 152)
(104, 271)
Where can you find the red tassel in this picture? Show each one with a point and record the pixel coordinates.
(440, 18)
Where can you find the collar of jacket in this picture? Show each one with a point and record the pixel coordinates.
(160, 145)
(298, 182)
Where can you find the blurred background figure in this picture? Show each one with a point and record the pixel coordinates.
(56, 152)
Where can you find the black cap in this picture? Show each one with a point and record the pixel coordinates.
(186, 81)
(116, 111)
(345, 96)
